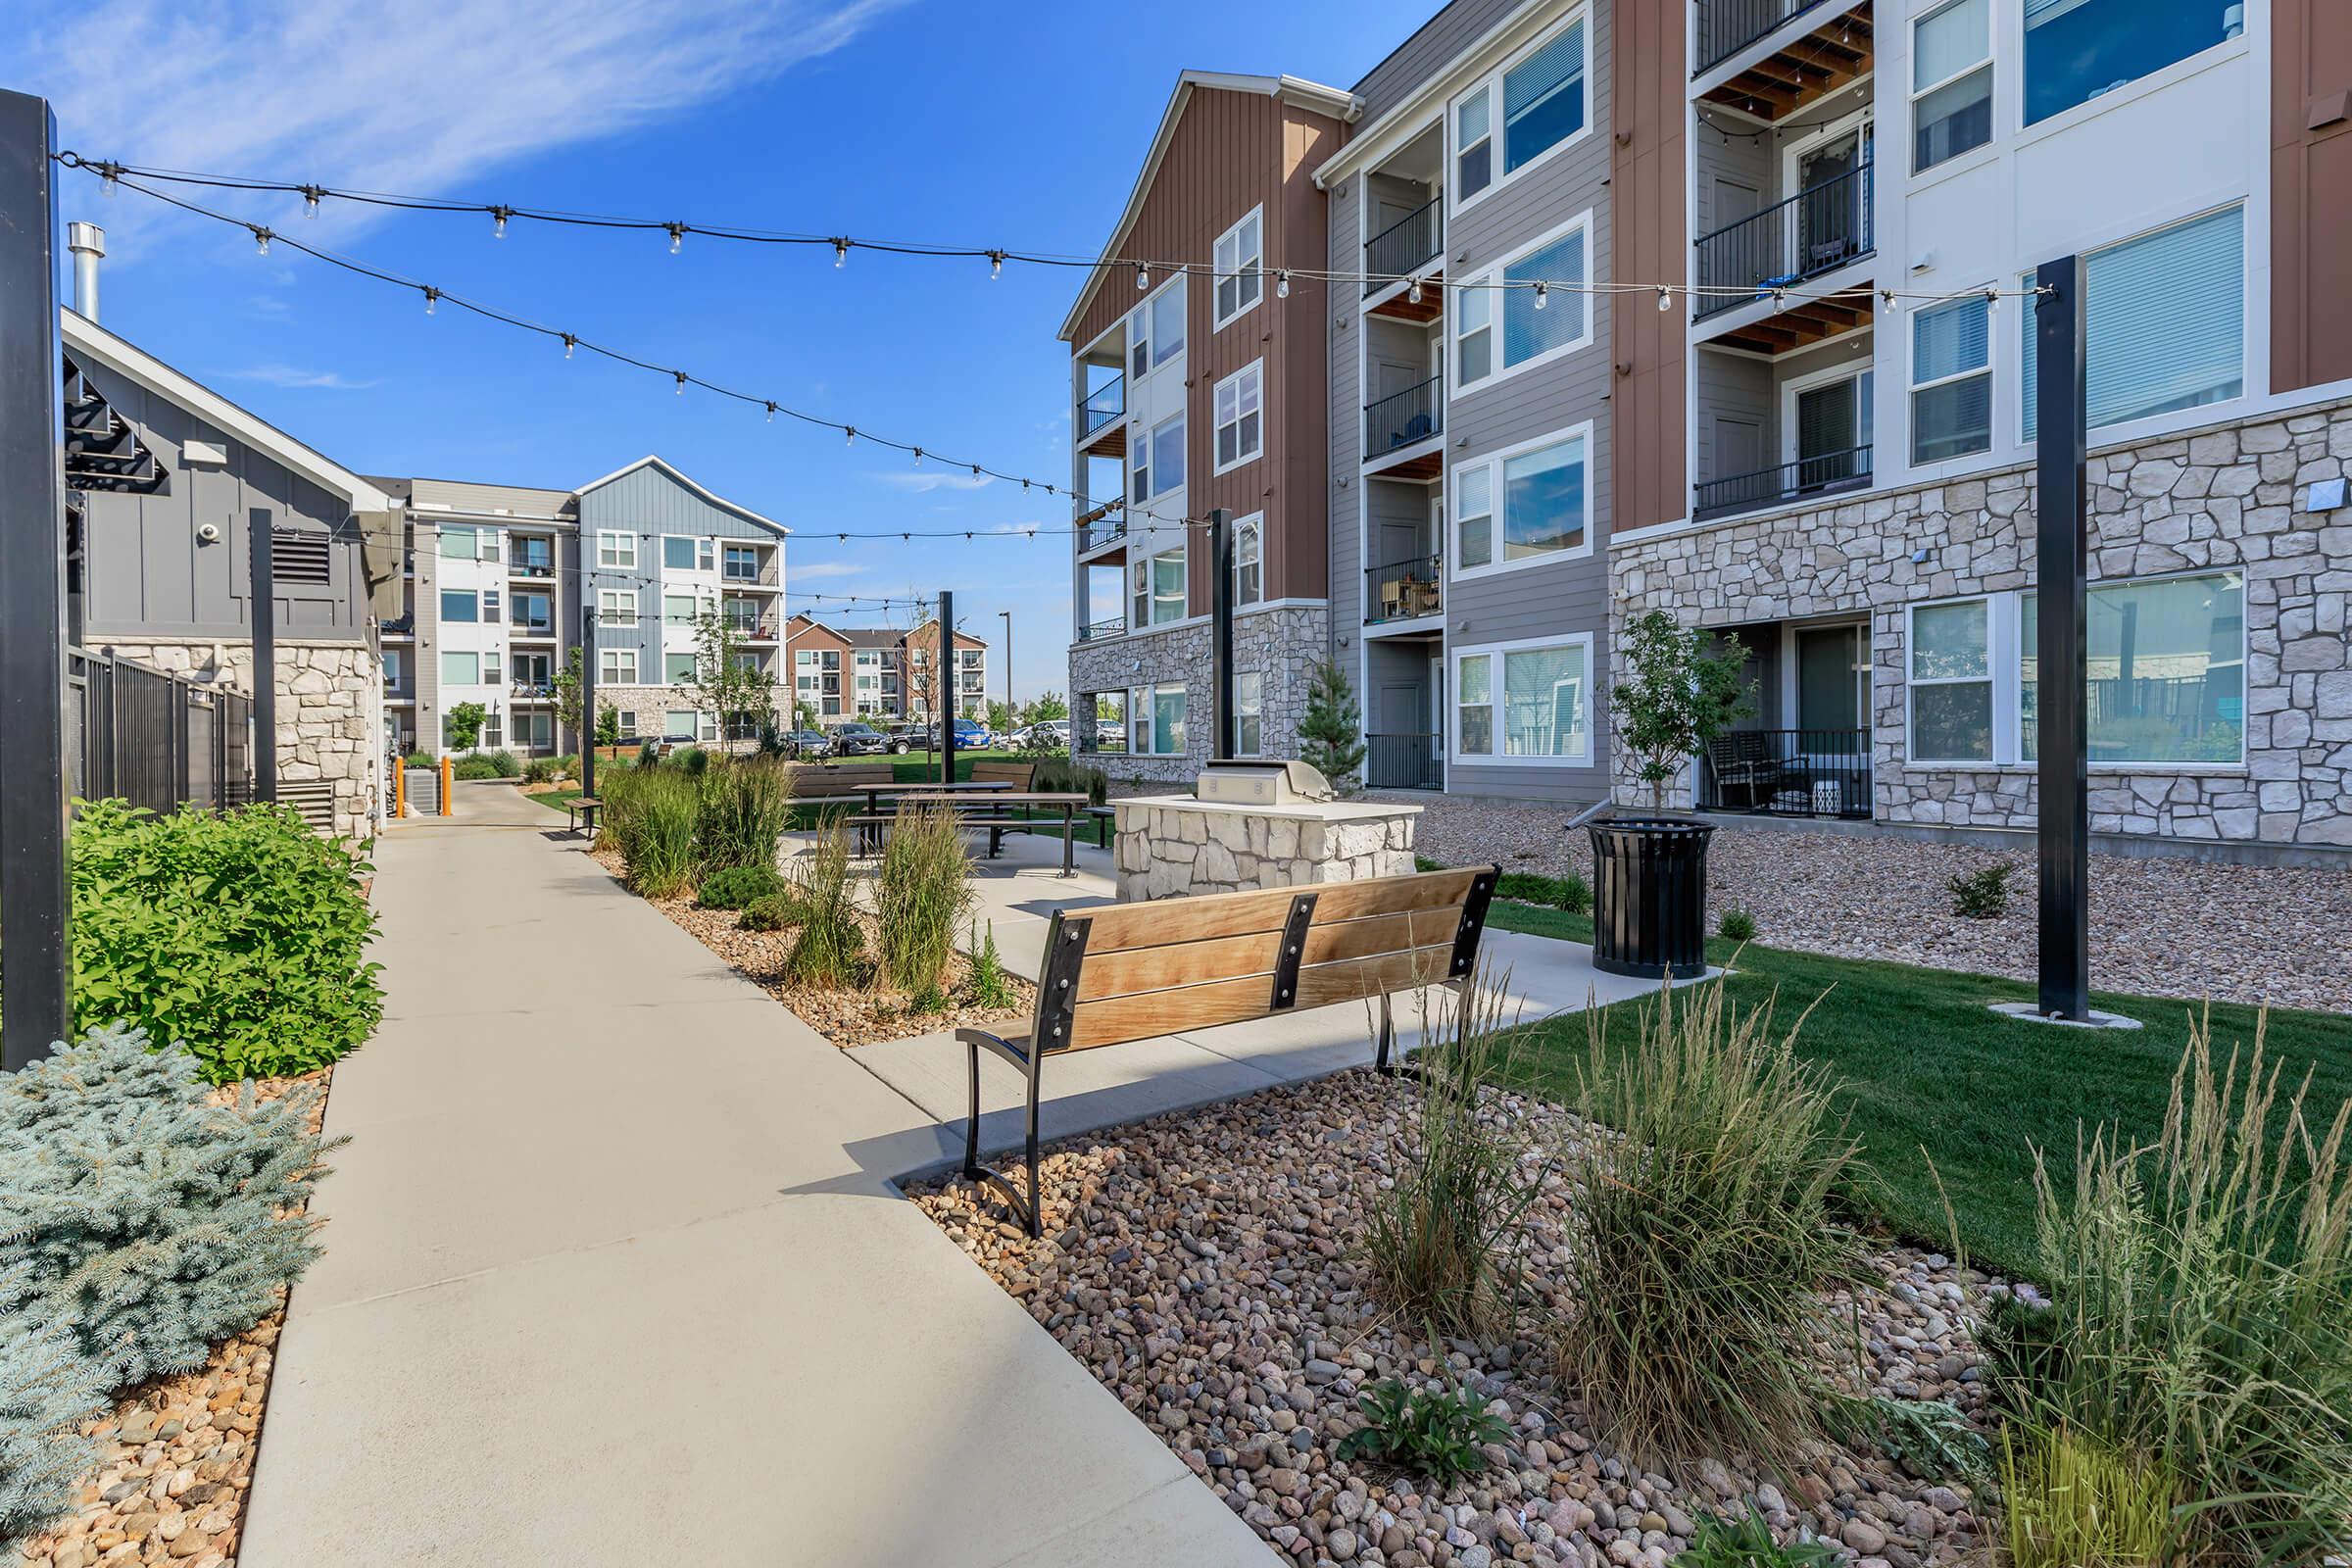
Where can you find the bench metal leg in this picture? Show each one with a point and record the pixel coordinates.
(1023, 1205)
(996, 842)
(1388, 1036)
(1069, 843)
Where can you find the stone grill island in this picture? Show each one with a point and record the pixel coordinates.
(1256, 826)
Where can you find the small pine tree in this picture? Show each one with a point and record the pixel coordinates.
(1331, 736)
(47, 1390)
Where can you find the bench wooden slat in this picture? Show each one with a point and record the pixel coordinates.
(1328, 941)
(1230, 914)
(1145, 1015)
(1179, 964)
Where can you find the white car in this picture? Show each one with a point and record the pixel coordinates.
(1046, 733)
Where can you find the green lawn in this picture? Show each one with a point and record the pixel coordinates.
(556, 800)
(1932, 1076)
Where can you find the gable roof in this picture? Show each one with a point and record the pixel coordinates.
(672, 469)
(1337, 102)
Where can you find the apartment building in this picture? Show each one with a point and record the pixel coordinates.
(1191, 393)
(1859, 509)
(877, 674)
(499, 579)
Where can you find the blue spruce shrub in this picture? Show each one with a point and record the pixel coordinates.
(47, 1390)
(138, 1214)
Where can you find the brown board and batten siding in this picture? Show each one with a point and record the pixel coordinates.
(1232, 151)
(2311, 192)
(1648, 243)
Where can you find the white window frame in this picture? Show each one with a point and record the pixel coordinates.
(449, 533)
(610, 663)
(1151, 469)
(448, 653)
(615, 549)
(1158, 354)
(2001, 679)
(1913, 386)
(1248, 704)
(1498, 173)
(1988, 63)
(1249, 550)
(1138, 345)
(1495, 651)
(441, 607)
(1140, 704)
(1493, 273)
(1246, 270)
(694, 665)
(1498, 504)
(1143, 588)
(626, 719)
(609, 607)
(701, 551)
(493, 667)
(1251, 381)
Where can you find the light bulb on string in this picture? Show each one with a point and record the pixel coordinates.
(498, 221)
(1893, 305)
(432, 297)
(1543, 293)
(771, 414)
(311, 195)
(1282, 284)
(840, 253)
(1665, 300)
(109, 171)
(681, 376)
(996, 264)
(261, 241)
(1143, 277)
(677, 236)
(848, 435)
(918, 457)
(1414, 293)
(570, 343)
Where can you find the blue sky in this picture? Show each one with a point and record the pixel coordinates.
(944, 120)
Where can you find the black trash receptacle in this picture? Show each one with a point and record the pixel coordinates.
(1649, 896)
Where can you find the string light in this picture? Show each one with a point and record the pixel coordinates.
(1413, 294)
(677, 236)
(1143, 277)
(432, 297)
(996, 266)
(1665, 299)
(261, 241)
(840, 253)
(681, 376)
(498, 221)
(311, 196)
(771, 414)
(1282, 284)
(1543, 293)
(570, 343)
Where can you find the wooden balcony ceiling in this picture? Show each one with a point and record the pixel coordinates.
(1422, 465)
(1108, 442)
(1807, 71)
(1399, 305)
(1803, 323)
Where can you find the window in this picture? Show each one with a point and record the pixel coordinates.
(494, 733)
(678, 554)
(1161, 336)
(394, 659)
(2164, 320)
(1241, 259)
(677, 669)
(535, 730)
(491, 675)
(460, 669)
(489, 544)
(1537, 325)
(677, 610)
(490, 605)
(1139, 342)
(2164, 672)
(679, 725)
(460, 605)
(627, 717)
(1473, 147)
(1161, 468)
(1523, 701)
(742, 564)
(1544, 500)
(1952, 682)
(534, 612)
(1159, 719)
(1241, 426)
(616, 666)
(1952, 381)
(1249, 703)
(1248, 565)
(1159, 589)
(616, 606)
(1537, 103)
(617, 549)
(1952, 82)
(460, 544)
(2077, 49)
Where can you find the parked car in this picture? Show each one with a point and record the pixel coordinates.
(808, 743)
(860, 740)
(1046, 734)
(904, 738)
(971, 734)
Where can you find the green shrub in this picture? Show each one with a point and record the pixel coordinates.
(769, 911)
(2202, 1318)
(1745, 1542)
(826, 949)
(1444, 1246)
(1706, 1235)
(1736, 925)
(1422, 863)
(742, 814)
(1928, 1437)
(737, 887)
(474, 768)
(1437, 1432)
(421, 759)
(47, 1390)
(694, 760)
(139, 1217)
(1058, 774)
(566, 765)
(648, 754)
(987, 983)
(651, 813)
(540, 770)
(1981, 895)
(240, 932)
(920, 895)
(2070, 1502)
(507, 763)
(1571, 892)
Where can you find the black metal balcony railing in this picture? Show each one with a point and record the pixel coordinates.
(1788, 772)
(1817, 230)
(1405, 246)
(1114, 628)
(1792, 481)
(1401, 590)
(538, 689)
(534, 626)
(1404, 762)
(740, 571)
(1103, 530)
(1104, 405)
(525, 564)
(1727, 26)
(1405, 418)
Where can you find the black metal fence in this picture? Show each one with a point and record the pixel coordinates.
(1400, 589)
(1404, 762)
(153, 739)
(1817, 230)
(1402, 418)
(1102, 406)
(1095, 632)
(1727, 26)
(1404, 246)
(1821, 474)
(1788, 772)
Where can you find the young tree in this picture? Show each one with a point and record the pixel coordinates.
(804, 713)
(567, 686)
(1684, 691)
(1331, 736)
(727, 684)
(608, 724)
(1038, 709)
(1000, 718)
(464, 725)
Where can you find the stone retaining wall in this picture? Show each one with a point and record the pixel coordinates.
(1279, 643)
(1170, 846)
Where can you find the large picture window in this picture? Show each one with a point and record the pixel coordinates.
(459, 543)
(2163, 323)
(1523, 701)
(1523, 504)
(1159, 719)
(1951, 379)
(1159, 589)
(1240, 258)
(460, 605)
(460, 669)
(2077, 49)
(1952, 82)
(1535, 103)
(1167, 323)
(1536, 324)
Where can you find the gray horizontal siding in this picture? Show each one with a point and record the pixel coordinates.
(1427, 52)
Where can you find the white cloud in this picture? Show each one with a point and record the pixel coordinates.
(295, 376)
(395, 95)
(923, 480)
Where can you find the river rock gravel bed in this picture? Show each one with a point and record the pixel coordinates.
(2159, 927)
(1203, 1266)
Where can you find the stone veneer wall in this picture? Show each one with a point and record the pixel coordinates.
(1280, 642)
(1161, 849)
(329, 711)
(2220, 497)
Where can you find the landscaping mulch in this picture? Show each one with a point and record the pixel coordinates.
(1203, 1266)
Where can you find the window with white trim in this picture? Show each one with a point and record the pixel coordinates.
(1524, 505)
(615, 549)
(1536, 323)
(1952, 82)
(626, 719)
(2076, 50)
(1159, 588)
(1249, 711)
(460, 668)
(1166, 334)
(616, 666)
(678, 553)
(1158, 460)
(1523, 701)
(1473, 147)
(489, 544)
(459, 543)
(2163, 323)
(677, 610)
(1248, 561)
(1159, 719)
(1951, 379)
(1535, 105)
(492, 673)
(1239, 408)
(616, 606)
(1240, 259)
(1951, 681)
(677, 669)
(461, 606)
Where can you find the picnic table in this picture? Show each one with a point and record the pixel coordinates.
(999, 797)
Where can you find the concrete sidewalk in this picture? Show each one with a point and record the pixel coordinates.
(616, 1274)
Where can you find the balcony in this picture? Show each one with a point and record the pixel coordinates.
(531, 565)
(1816, 232)
(536, 628)
(1406, 423)
(1792, 483)
(1403, 590)
(1103, 420)
(1807, 67)
(1103, 531)
(1788, 772)
(532, 691)
(1404, 762)
(1116, 626)
(1407, 249)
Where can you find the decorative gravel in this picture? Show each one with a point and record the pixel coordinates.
(2159, 927)
(1201, 1266)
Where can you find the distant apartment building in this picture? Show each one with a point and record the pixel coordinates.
(1193, 393)
(499, 579)
(876, 674)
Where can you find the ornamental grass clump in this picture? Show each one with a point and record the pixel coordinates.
(829, 945)
(2201, 1325)
(2070, 1502)
(920, 895)
(1703, 1234)
(242, 932)
(742, 814)
(651, 815)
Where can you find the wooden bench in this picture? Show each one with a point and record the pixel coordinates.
(992, 810)
(816, 781)
(1137, 971)
(581, 808)
(1020, 775)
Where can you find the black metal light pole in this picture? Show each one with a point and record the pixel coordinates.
(1009, 716)
(588, 700)
(943, 681)
(35, 917)
(2062, 720)
(263, 606)
(1220, 633)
